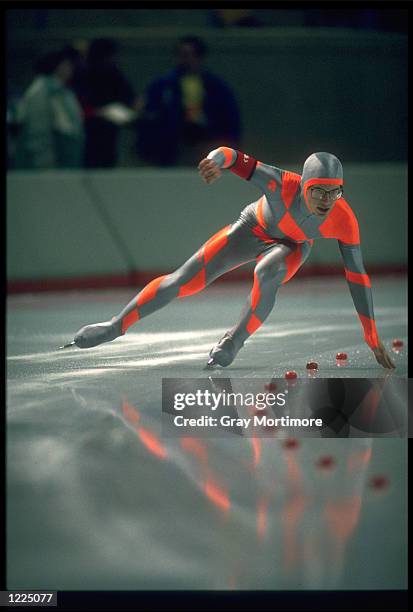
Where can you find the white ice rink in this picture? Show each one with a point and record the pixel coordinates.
(99, 499)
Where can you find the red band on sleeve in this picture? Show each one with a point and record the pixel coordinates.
(360, 279)
(244, 165)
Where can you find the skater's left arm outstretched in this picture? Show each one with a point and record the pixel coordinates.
(360, 286)
(263, 176)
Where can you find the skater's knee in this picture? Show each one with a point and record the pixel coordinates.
(270, 275)
(169, 288)
(185, 281)
(170, 280)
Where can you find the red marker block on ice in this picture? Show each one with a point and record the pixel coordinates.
(326, 463)
(341, 356)
(290, 375)
(378, 483)
(291, 444)
(312, 365)
(397, 343)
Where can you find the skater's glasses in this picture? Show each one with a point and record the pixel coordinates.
(321, 194)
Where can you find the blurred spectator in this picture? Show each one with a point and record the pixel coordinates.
(78, 51)
(102, 85)
(49, 117)
(187, 111)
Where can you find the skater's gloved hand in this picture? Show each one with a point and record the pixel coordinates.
(383, 357)
(209, 170)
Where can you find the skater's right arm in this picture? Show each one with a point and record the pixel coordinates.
(245, 166)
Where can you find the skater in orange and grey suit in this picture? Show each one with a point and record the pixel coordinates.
(277, 232)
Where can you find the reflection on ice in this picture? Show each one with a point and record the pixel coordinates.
(272, 493)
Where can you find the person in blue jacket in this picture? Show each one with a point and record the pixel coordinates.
(189, 110)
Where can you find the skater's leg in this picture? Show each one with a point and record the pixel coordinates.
(190, 278)
(279, 263)
(227, 249)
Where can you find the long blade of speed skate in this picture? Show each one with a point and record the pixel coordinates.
(67, 345)
(211, 365)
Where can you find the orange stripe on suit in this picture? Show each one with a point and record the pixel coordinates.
(260, 216)
(129, 320)
(216, 243)
(289, 187)
(291, 229)
(255, 297)
(253, 324)
(193, 286)
(370, 331)
(355, 277)
(149, 292)
(293, 262)
(227, 154)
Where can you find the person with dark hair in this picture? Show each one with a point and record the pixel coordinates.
(189, 109)
(197, 44)
(50, 118)
(103, 84)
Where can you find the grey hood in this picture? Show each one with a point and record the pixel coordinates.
(321, 168)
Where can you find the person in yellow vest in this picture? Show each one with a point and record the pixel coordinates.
(189, 110)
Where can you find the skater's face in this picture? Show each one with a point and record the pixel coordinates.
(321, 198)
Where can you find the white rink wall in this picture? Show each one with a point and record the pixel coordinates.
(68, 223)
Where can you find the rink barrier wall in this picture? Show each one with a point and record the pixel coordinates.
(73, 229)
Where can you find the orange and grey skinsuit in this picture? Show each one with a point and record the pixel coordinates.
(277, 232)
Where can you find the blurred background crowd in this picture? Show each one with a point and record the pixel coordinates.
(71, 114)
(105, 88)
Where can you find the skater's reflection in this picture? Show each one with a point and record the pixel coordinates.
(291, 505)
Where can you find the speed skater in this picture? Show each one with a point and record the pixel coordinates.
(277, 232)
